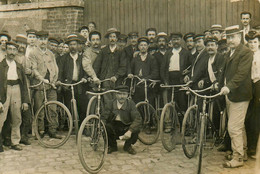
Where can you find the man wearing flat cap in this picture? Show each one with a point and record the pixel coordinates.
(110, 63)
(175, 66)
(237, 86)
(122, 120)
(4, 37)
(122, 41)
(45, 69)
(31, 41)
(188, 38)
(71, 71)
(53, 46)
(253, 120)
(13, 94)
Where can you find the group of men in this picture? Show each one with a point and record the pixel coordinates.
(227, 58)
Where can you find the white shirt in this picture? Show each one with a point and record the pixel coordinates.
(112, 49)
(12, 71)
(119, 106)
(75, 68)
(174, 64)
(212, 76)
(255, 71)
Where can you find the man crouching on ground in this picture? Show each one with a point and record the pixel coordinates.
(122, 119)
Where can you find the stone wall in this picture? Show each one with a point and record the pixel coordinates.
(59, 17)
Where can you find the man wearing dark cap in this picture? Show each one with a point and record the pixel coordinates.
(122, 120)
(31, 41)
(110, 63)
(4, 37)
(188, 38)
(175, 66)
(237, 86)
(199, 65)
(122, 41)
(13, 94)
(145, 66)
(207, 33)
(45, 69)
(53, 45)
(245, 18)
(71, 71)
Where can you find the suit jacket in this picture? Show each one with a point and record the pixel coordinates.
(128, 114)
(217, 67)
(108, 64)
(185, 57)
(200, 67)
(237, 73)
(128, 53)
(22, 82)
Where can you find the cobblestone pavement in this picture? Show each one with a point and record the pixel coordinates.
(152, 159)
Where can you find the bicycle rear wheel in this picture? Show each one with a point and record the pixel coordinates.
(201, 141)
(92, 144)
(150, 129)
(169, 127)
(190, 130)
(51, 111)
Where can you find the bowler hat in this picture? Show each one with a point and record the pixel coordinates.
(21, 38)
(232, 30)
(12, 43)
(112, 30)
(122, 88)
(4, 33)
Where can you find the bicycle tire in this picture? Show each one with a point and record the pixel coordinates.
(223, 125)
(201, 141)
(89, 105)
(49, 142)
(75, 117)
(190, 130)
(169, 127)
(144, 136)
(88, 135)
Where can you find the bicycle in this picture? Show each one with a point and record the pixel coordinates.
(203, 124)
(169, 123)
(92, 141)
(149, 116)
(50, 110)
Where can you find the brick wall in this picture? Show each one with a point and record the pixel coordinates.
(58, 17)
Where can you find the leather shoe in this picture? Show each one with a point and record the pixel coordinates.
(1, 148)
(16, 147)
(111, 149)
(25, 142)
(130, 150)
(54, 135)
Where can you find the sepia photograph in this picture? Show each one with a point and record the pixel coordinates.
(129, 86)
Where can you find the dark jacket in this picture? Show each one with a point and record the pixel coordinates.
(108, 64)
(3, 82)
(147, 69)
(237, 72)
(217, 67)
(128, 113)
(128, 54)
(200, 68)
(66, 67)
(185, 57)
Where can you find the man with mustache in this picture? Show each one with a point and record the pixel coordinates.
(13, 94)
(109, 63)
(45, 69)
(245, 18)
(53, 45)
(4, 37)
(151, 35)
(188, 38)
(237, 86)
(71, 71)
(216, 31)
(31, 41)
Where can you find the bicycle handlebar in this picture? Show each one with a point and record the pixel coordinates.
(203, 90)
(101, 93)
(173, 86)
(74, 84)
(101, 81)
(202, 96)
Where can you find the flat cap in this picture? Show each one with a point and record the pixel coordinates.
(112, 30)
(211, 39)
(42, 34)
(199, 36)
(122, 88)
(12, 43)
(176, 34)
(31, 31)
(188, 35)
(122, 37)
(133, 33)
(143, 39)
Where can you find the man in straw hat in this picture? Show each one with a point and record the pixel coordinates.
(237, 86)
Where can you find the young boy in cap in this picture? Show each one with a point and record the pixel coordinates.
(122, 118)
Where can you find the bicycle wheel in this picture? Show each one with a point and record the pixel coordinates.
(91, 109)
(169, 127)
(223, 126)
(150, 127)
(201, 141)
(51, 111)
(190, 130)
(92, 144)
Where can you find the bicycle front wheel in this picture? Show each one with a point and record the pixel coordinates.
(92, 144)
(49, 131)
(150, 129)
(190, 130)
(169, 127)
